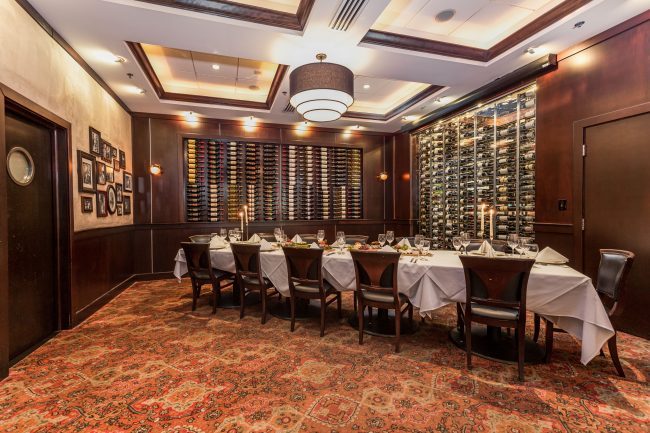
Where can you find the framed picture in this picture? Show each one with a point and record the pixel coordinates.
(110, 174)
(127, 205)
(95, 142)
(128, 182)
(119, 192)
(113, 152)
(116, 165)
(101, 172)
(122, 160)
(106, 151)
(86, 172)
(111, 199)
(86, 204)
(102, 200)
(119, 210)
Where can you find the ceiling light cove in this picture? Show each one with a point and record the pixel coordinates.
(321, 92)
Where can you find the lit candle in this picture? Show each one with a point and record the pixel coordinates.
(483, 219)
(246, 214)
(491, 223)
(241, 219)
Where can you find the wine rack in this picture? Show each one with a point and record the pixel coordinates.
(480, 159)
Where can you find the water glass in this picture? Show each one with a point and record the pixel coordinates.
(223, 233)
(232, 235)
(417, 240)
(382, 239)
(340, 239)
(523, 245)
(512, 241)
(426, 245)
(390, 236)
(456, 242)
(320, 236)
(465, 241)
(533, 250)
(277, 232)
(238, 234)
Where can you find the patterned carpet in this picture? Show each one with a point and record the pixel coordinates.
(145, 363)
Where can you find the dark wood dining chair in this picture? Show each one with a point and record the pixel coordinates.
(304, 266)
(613, 270)
(496, 296)
(267, 236)
(308, 237)
(376, 278)
(197, 256)
(353, 239)
(202, 239)
(249, 276)
(497, 245)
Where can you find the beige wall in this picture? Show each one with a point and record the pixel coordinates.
(34, 65)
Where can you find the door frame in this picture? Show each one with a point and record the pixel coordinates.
(579, 135)
(63, 216)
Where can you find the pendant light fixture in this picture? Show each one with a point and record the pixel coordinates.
(321, 92)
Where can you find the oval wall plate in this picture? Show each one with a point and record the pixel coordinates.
(20, 166)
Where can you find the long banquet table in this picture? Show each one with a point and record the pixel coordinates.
(559, 293)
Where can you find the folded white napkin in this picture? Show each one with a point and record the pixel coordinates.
(336, 244)
(549, 255)
(217, 242)
(265, 245)
(314, 245)
(255, 238)
(296, 239)
(387, 249)
(403, 242)
(486, 249)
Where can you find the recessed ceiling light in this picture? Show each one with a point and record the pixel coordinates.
(366, 86)
(257, 72)
(254, 87)
(191, 117)
(530, 50)
(578, 24)
(119, 59)
(216, 67)
(446, 15)
(410, 118)
(141, 91)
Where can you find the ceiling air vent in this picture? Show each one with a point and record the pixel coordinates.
(289, 108)
(345, 15)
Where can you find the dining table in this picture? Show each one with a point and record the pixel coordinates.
(559, 293)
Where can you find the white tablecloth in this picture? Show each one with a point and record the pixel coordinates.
(559, 293)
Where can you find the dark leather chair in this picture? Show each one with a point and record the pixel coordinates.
(376, 277)
(202, 239)
(304, 266)
(497, 245)
(613, 270)
(249, 276)
(267, 236)
(496, 296)
(197, 256)
(411, 240)
(353, 239)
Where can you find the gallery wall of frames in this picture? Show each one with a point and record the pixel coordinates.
(479, 161)
(104, 184)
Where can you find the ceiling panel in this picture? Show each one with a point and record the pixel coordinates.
(289, 6)
(482, 24)
(383, 95)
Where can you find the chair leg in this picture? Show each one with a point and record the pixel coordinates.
(292, 301)
(360, 318)
(263, 291)
(354, 300)
(398, 325)
(613, 352)
(549, 341)
(339, 305)
(215, 290)
(323, 305)
(242, 300)
(537, 324)
(369, 314)
(195, 294)
(468, 341)
(521, 349)
(411, 315)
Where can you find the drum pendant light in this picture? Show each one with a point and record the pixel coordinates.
(321, 92)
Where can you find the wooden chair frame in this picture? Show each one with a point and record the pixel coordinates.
(195, 254)
(249, 276)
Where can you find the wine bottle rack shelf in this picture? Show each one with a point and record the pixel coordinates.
(274, 181)
(480, 157)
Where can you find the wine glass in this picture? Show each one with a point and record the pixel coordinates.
(533, 250)
(340, 239)
(456, 242)
(465, 241)
(382, 239)
(522, 245)
(238, 234)
(426, 246)
(277, 232)
(223, 233)
(232, 235)
(390, 236)
(320, 236)
(417, 240)
(512, 240)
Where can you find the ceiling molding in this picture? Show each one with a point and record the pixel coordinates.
(412, 43)
(71, 51)
(243, 12)
(150, 74)
(496, 88)
(432, 89)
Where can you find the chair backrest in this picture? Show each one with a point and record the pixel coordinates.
(376, 272)
(304, 266)
(308, 237)
(497, 245)
(197, 256)
(613, 271)
(202, 239)
(247, 259)
(411, 240)
(267, 236)
(353, 239)
(497, 282)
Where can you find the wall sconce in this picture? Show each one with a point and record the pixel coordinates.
(191, 117)
(383, 176)
(155, 169)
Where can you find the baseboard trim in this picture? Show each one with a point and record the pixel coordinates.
(87, 311)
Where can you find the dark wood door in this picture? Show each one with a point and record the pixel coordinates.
(617, 206)
(32, 276)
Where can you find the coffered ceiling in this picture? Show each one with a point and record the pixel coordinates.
(405, 62)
